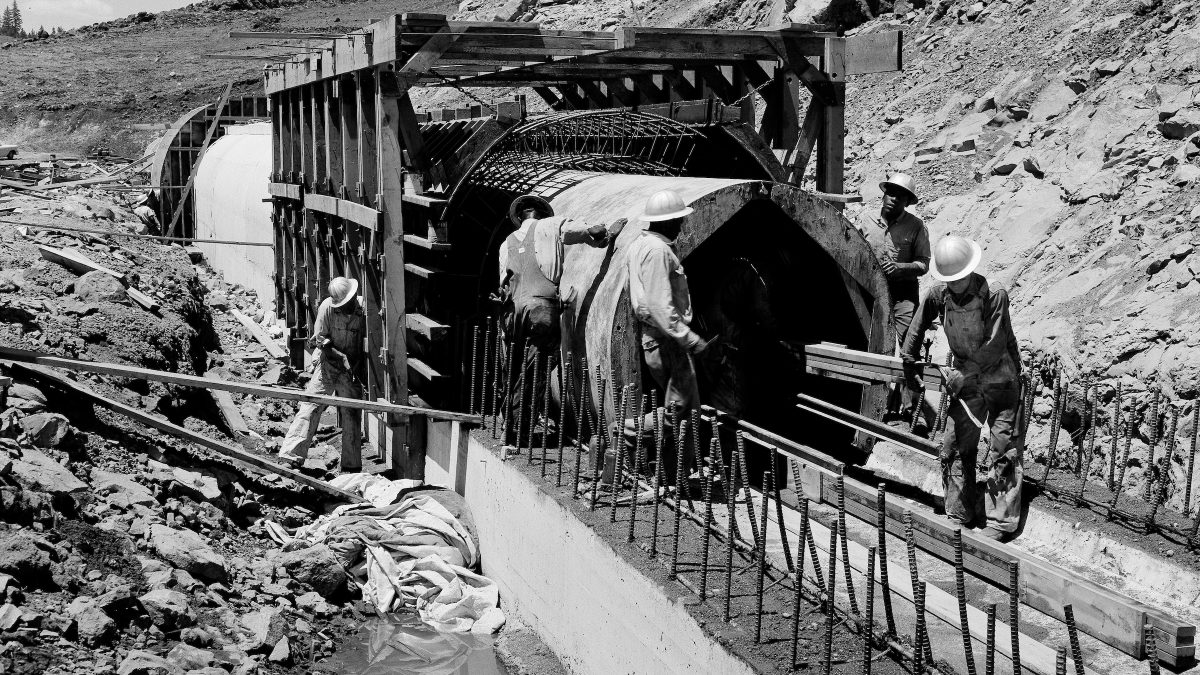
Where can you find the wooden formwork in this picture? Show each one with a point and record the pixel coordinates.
(361, 181)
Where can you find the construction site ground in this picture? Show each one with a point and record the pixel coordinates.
(123, 549)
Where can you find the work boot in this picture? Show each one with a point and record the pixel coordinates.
(996, 534)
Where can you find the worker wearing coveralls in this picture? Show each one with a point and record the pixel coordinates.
(338, 342)
(531, 263)
(983, 386)
(901, 242)
(658, 292)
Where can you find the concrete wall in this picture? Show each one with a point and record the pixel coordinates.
(596, 611)
(231, 184)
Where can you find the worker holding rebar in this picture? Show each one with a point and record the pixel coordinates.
(658, 292)
(337, 339)
(531, 264)
(901, 242)
(982, 383)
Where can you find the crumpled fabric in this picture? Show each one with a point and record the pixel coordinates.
(409, 555)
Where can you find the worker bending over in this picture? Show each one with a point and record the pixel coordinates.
(338, 342)
(901, 242)
(531, 263)
(983, 386)
(658, 292)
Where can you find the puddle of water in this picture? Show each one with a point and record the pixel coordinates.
(400, 643)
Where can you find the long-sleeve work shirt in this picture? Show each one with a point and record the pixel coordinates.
(551, 235)
(997, 344)
(344, 329)
(905, 242)
(658, 289)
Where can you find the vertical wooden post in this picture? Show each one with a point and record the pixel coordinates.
(305, 136)
(368, 125)
(788, 82)
(831, 161)
(333, 138)
(276, 140)
(348, 98)
(320, 164)
(407, 459)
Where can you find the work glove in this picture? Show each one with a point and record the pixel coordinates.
(615, 227)
(912, 376)
(957, 382)
(699, 346)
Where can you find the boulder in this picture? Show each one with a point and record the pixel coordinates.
(1181, 125)
(1185, 174)
(25, 398)
(120, 490)
(117, 601)
(168, 609)
(36, 471)
(21, 557)
(97, 286)
(317, 567)
(140, 662)
(10, 616)
(187, 550)
(11, 281)
(282, 652)
(194, 485)
(188, 657)
(266, 628)
(47, 430)
(93, 626)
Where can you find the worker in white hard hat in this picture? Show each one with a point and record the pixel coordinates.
(983, 386)
(144, 210)
(901, 243)
(337, 339)
(531, 264)
(658, 292)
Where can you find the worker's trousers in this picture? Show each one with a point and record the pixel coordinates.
(536, 328)
(999, 405)
(328, 381)
(902, 315)
(672, 369)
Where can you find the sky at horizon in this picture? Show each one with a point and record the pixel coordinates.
(75, 13)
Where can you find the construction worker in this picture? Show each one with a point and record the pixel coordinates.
(338, 343)
(983, 386)
(901, 242)
(145, 213)
(531, 262)
(658, 292)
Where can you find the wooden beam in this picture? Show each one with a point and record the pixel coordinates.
(228, 409)
(345, 209)
(259, 464)
(796, 161)
(831, 164)
(552, 99)
(256, 331)
(681, 88)
(77, 261)
(134, 372)
(569, 93)
(208, 136)
(648, 90)
(875, 53)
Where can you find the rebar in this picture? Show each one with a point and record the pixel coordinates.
(1191, 465)
(696, 437)
(658, 478)
(1120, 483)
(840, 489)
(638, 460)
(960, 590)
(881, 544)
(1115, 430)
(1085, 426)
(499, 381)
(1151, 648)
(475, 372)
(681, 431)
(1027, 416)
(827, 661)
(802, 505)
(1055, 419)
(1060, 660)
(538, 378)
(731, 513)
(1155, 401)
(783, 535)
(545, 414)
(868, 629)
(708, 519)
(745, 480)
(919, 635)
(601, 441)
(1073, 636)
(520, 412)
(1014, 613)
(989, 654)
(1086, 462)
(917, 410)
(564, 384)
(619, 443)
(1164, 478)
(485, 395)
(762, 560)
(682, 487)
(939, 424)
(910, 543)
(581, 408)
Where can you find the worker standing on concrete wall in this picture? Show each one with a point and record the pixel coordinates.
(983, 385)
(338, 340)
(901, 242)
(658, 292)
(530, 262)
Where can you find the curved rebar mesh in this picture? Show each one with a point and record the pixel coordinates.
(608, 141)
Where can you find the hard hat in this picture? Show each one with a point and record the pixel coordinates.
(904, 182)
(525, 202)
(342, 290)
(665, 205)
(954, 258)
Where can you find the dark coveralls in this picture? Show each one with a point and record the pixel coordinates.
(986, 354)
(532, 320)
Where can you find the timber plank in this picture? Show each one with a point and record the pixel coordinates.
(260, 335)
(260, 464)
(78, 262)
(228, 409)
(425, 326)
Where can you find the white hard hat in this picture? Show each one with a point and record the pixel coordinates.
(525, 202)
(904, 182)
(665, 205)
(954, 258)
(342, 289)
